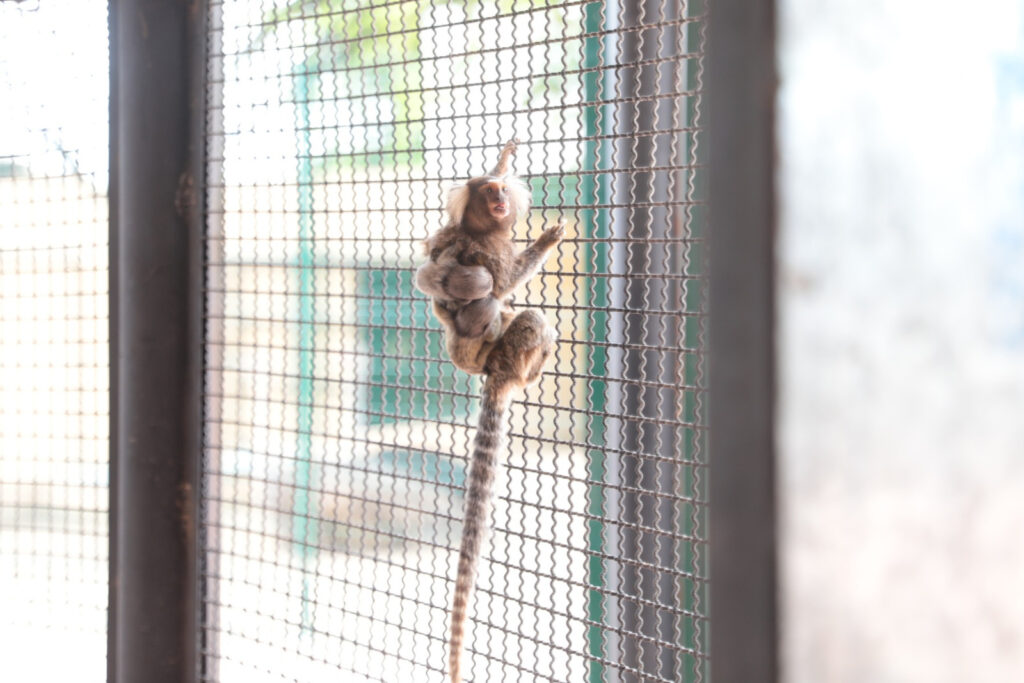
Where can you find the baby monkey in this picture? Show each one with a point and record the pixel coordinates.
(472, 272)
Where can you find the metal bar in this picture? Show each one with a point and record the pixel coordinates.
(740, 94)
(597, 121)
(304, 529)
(156, 337)
(113, 304)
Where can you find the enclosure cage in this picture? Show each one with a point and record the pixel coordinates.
(228, 392)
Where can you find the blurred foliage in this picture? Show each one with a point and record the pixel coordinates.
(358, 51)
(358, 55)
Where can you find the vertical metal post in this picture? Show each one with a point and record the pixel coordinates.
(156, 336)
(304, 529)
(654, 197)
(595, 221)
(741, 84)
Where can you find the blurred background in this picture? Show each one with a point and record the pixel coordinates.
(901, 340)
(53, 341)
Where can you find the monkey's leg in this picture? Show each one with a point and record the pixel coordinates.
(519, 356)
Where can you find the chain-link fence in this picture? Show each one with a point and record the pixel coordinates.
(53, 340)
(336, 430)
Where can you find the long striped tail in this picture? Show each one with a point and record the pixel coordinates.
(490, 436)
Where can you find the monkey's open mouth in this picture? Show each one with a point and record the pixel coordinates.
(500, 209)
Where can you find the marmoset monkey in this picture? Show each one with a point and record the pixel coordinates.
(472, 272)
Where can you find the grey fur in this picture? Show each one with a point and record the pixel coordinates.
(489, 440)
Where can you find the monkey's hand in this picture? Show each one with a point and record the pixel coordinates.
(551, 237)
(453, 281)
(507, 152)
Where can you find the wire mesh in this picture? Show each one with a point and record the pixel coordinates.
(53, 340)
(336, 430)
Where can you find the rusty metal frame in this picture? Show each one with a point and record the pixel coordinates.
(156, 152)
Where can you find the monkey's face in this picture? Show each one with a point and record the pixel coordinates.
(487, 203)
(496, 195)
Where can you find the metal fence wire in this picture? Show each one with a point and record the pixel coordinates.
(337, 431)
(53, 340)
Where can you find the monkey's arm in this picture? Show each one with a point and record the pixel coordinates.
(449, 280)
(507, 152)
(529, 261)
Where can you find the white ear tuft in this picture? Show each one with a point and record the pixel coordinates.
(520, 193)
(458, 198)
